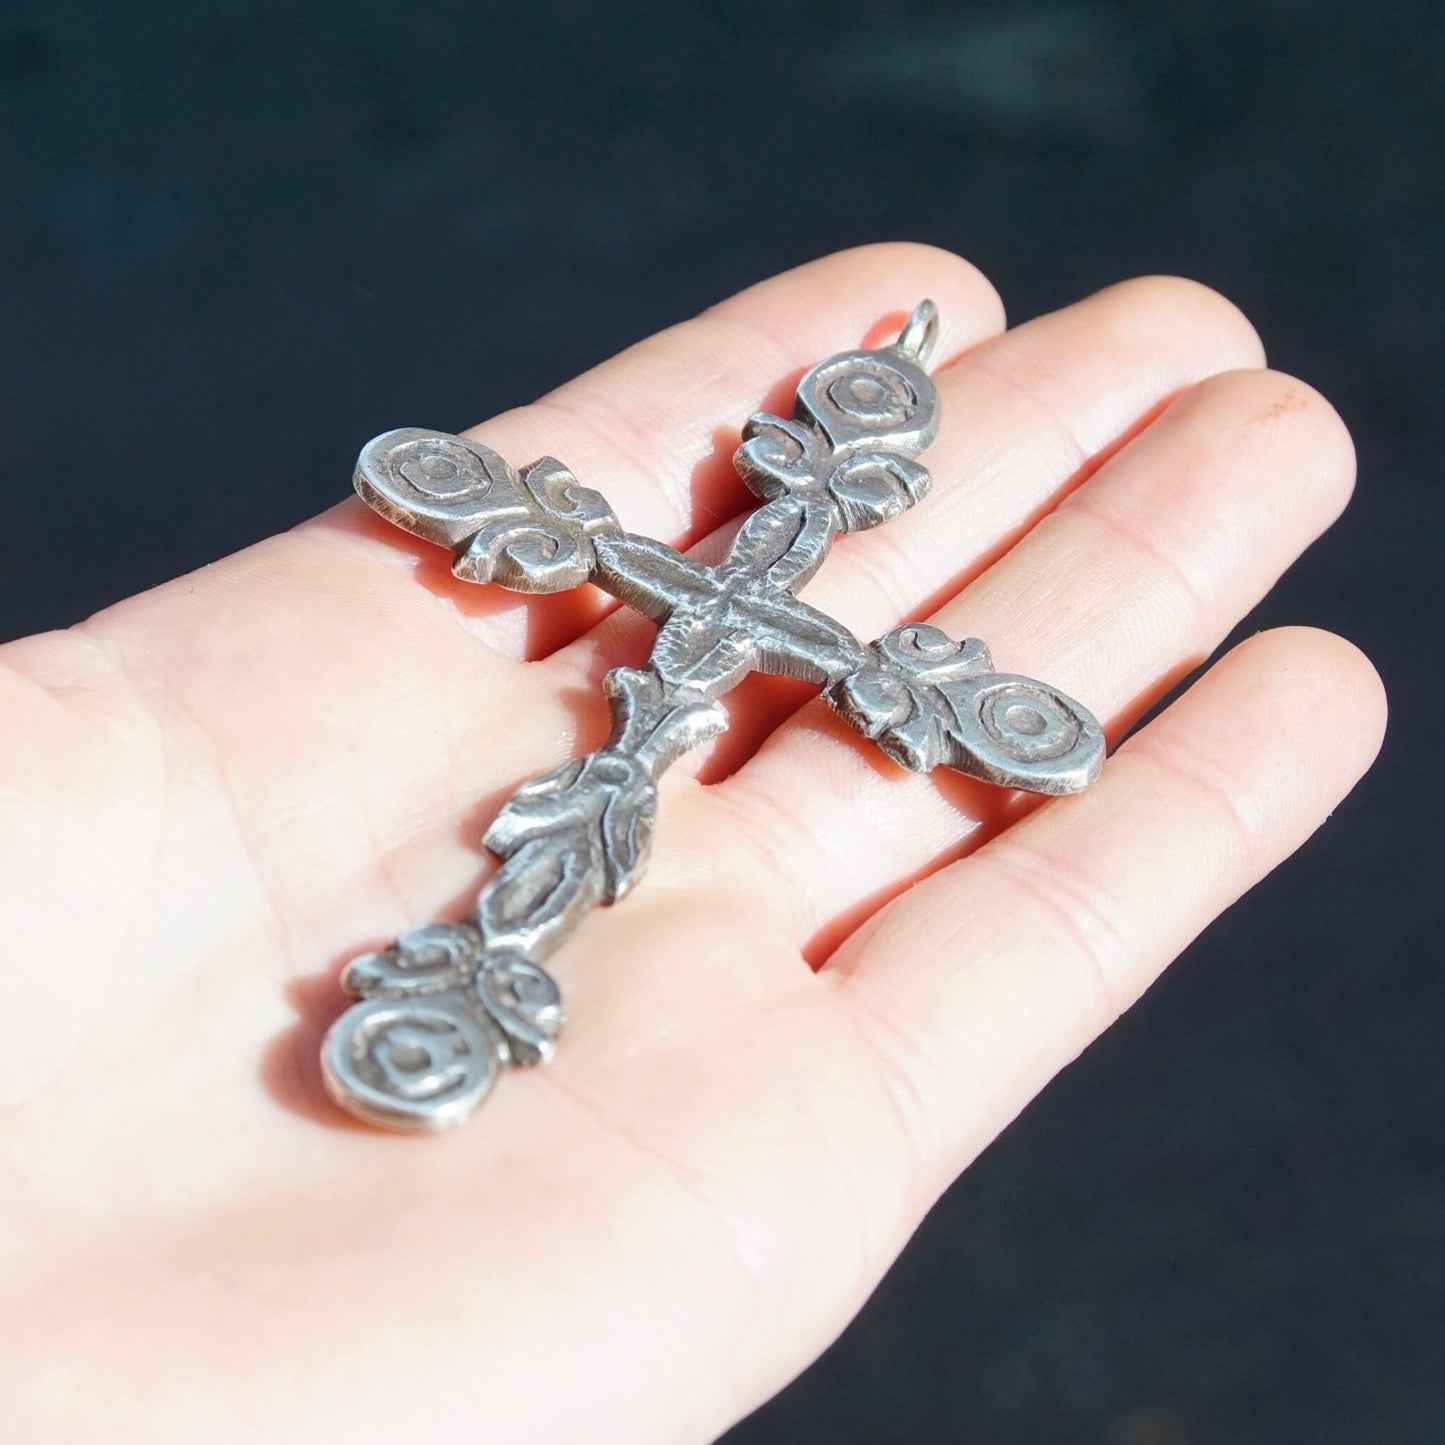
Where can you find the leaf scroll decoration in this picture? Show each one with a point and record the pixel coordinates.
(858, 421)
(531, 531)
(929, 701)
(581, 834)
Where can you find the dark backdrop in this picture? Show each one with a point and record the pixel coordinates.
(240, 238)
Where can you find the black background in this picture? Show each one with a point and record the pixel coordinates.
(238, 239)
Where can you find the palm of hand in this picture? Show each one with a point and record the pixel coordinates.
(780, 1051)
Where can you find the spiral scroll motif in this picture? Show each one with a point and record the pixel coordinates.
(1019, 733)
(874, 399)
(870, 488)
(545, 545)
(1030, 722)
(927, 701)
(417, 1063)
(524, 1000)
(423, 960)
(438, 487)
(531, 531)
(859, 419)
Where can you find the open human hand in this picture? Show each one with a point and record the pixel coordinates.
(838, 982)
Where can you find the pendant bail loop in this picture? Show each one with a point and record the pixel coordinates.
(920, 333)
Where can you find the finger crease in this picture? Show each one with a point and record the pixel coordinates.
(748, 1238)
(1061, 888)
(998, 366)
(906, 1098)
(1246, 830)
(1139, 540)
(773, 857)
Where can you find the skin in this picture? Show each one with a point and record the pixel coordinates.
(836, 985)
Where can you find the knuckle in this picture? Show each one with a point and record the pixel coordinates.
(1177, 302)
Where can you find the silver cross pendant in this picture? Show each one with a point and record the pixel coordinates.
(443, 1011)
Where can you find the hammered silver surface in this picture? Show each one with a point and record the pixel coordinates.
(442, 1012)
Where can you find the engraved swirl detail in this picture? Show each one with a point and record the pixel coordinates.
(423, 960)
(1029, 722)
(872, 398)
(419, 1063)
(524, 1000)
(438, 487)
(438, 467)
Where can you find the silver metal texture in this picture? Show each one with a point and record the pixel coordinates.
(447, 1007)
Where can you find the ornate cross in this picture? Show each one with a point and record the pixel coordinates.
(448, 1006)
